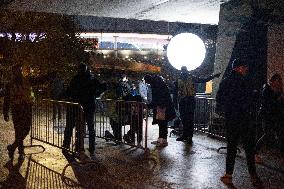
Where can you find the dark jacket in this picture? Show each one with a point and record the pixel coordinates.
(161, 97)
(83, 89)
(234, 96)
(271, 103)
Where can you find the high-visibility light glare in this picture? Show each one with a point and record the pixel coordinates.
(186, 49)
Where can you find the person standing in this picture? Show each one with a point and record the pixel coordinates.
(124, 86)
(161, 100)
(143, 89)
(56, 92)
(272, 113)
(235, 97)
(19, 97)
(83, 89)
(114, 111)
(186, 100)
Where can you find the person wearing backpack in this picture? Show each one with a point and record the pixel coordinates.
(186, 100)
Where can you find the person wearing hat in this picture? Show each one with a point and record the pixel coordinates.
(235, 96)
(186, 99)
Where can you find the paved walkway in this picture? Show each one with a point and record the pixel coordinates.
(118, 166)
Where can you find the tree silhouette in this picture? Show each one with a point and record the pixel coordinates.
(42, 42)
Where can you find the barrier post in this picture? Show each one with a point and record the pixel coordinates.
(146, 128)
(81, 131)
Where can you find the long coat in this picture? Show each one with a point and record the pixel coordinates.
(161, 97)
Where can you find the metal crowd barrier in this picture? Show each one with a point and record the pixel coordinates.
(122, 122)
(213, 124)
(206, 120)
(50, 120)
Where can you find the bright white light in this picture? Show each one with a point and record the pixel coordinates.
(186, 49)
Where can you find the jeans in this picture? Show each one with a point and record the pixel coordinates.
(163, 129)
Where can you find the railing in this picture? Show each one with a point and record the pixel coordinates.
(207, 120)
(54, 120)
(62, 124)
(122, 121)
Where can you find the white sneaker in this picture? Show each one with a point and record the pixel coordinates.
(162, 143)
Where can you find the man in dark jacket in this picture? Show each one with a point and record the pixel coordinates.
(161, 100)
(235, 97)
(83, 89)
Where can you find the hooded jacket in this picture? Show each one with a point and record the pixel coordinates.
(234, 96)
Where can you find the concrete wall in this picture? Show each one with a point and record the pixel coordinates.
(275, 53)
(232, 17)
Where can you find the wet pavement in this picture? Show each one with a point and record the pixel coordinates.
(178, 165)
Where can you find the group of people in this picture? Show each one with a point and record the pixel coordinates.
(236, 98)
(162, 102)
(19, 98)
(84, 87)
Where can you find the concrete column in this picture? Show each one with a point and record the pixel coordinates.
(115, 46)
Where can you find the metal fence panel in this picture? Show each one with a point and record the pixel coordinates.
(122, 121)
(54, 119)
(206, 120)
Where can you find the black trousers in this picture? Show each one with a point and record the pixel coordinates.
(89, 118)
(22, 121)
(136, 126)
(240, 130)
(116, 126)
(163, 129)
(73, 120)
(186, 109)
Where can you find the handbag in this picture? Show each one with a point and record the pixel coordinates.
(161, 113)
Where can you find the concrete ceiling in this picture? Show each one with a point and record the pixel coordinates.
(187, 11)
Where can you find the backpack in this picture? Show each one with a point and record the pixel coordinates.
(185, 87)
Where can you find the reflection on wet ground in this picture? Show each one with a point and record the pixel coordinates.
(178, 165)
